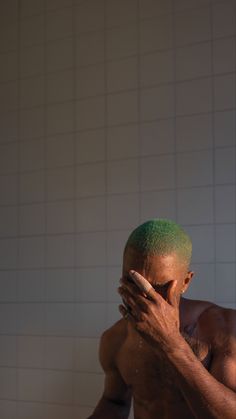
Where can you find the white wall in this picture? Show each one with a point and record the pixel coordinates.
(111, 113)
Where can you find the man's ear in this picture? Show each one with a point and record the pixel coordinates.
(186, 281)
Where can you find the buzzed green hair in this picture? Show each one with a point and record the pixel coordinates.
(161, 237)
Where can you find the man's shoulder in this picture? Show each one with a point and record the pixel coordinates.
(112, 340)
(219, 323)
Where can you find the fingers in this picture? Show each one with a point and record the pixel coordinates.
(143, 285)
(132, 300)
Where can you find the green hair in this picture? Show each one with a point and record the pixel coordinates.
(161, 237)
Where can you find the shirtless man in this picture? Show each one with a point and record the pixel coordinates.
(176, 357)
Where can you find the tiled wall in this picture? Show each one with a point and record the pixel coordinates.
(111, 112)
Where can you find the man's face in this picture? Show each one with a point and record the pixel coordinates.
(158, 270)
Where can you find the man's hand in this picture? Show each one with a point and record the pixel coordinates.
(156, 319)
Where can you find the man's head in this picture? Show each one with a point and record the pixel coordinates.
(160, 250)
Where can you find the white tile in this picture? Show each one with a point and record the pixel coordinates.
(31, 252)
(60, 118)
(224, 92)
(32, 187)
(91, 249)
(31, 123)
(59, 54)
(90, 48)
(122, 176)
(150, 8)
(60, 86)
(32, 61)
(30, 384)
(30, 285)
(224, 55)
(9, 12)
(8, 383)
(8, 354)
(90, 113)
(90, 179)
(60, 151)
(122, 74)
(32, 31)
(32, 219)
(90, 16)
(195, 206)
(8, 127)
(59, 285)
(193, 26)
(225, 128)
(122, 41)
(90, 319)
(58, 4)
(91, 214)
(120, 12)
(88, 388)
(87, 359)
(195, 169)
(8, 409)
(31, 155)
(122, 108)
(30, 351)
(225, 165)
(157, 137)
(59, 24)
(91, 284)
(202, 286)
(8, 253)
(113, 314)
(30, 8)
(59, 386)
(225, 287)
(158, 204)
(157, 102)
(8, 285)
(8, 94)
(60, 217)
(8, 321)
(225, 204)
(156, 34)
(30, 319)
(60, 251)
(122, 211)
(59, 353)
(203, 243)
(8, 190)
(90, 146)
(122, 142)
(8, 70)
(223, 19)
(113, 276)
(156, 68)
(189, 4)
(193, 61)
(194, 97)
(27, 410)
(60, 319)
(225, 243)
(157, 172)
(9, 37)
(90, 81)
(116, 241)
(194, 132)
(60, 184)
(8, 158)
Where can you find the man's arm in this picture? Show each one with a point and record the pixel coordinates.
(116, 399)
(209, 395)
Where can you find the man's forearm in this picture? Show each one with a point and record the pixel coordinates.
(107, 409)
(206, 397)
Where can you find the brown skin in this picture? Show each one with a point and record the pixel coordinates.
(168, 374)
